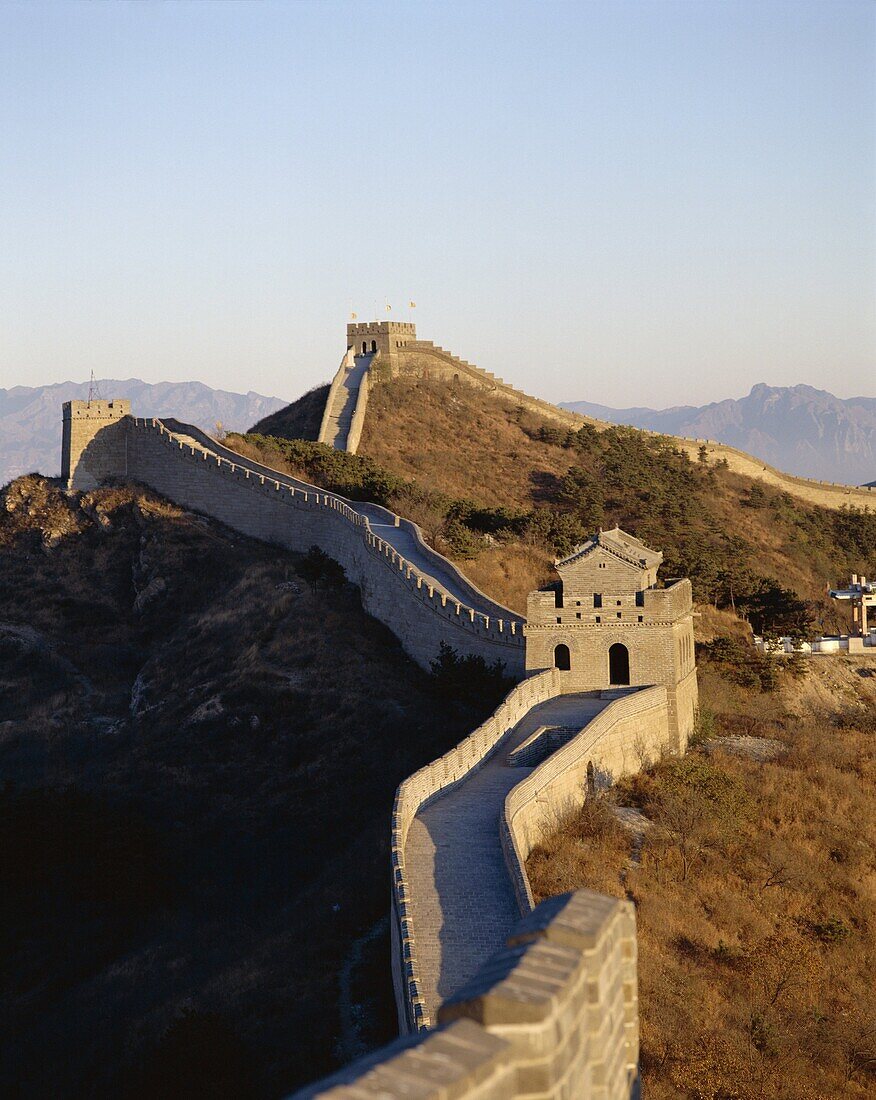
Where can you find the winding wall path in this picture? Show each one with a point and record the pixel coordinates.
(402, 535)
(463, 900)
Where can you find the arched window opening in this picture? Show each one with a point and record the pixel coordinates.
(562, 658)
(373, 346)
(364, 347)
(618, 664)
(591, 779)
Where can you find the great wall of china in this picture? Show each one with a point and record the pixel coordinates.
(390, 348)
(497, 998)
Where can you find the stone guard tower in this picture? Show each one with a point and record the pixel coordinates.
(386, 337)
(606, 625)
(85, 460)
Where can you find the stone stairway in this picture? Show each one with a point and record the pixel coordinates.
(344, 403)
(543, 743)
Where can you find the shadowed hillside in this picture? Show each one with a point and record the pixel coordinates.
(200, 738)
(300, 420)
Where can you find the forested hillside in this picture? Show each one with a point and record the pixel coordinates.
(799, 429)
(503, 492)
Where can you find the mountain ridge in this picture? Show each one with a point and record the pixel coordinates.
(800, 429)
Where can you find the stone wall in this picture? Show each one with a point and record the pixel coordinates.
(555, 1014)
(198, 473)
(551, 1017)
(535, 1021)
(326, 426)
(421, 358)
(621, 740)
(826, 494)
(489, 608)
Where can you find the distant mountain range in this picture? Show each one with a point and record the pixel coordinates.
(799, 429)
(30, 417)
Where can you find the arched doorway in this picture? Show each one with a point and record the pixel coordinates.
(562, 658)
(364, 347)
(373, 346)
(618, 664)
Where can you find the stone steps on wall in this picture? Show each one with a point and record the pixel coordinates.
(343, 407)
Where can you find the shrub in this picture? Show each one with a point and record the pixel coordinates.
(739, 662)
(469, 677)
(318, 569)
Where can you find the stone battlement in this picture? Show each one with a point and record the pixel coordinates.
(367, 328)
(424, 602)
(553, 1015)
(96, 409)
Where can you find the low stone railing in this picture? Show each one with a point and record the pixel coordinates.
(620, 740)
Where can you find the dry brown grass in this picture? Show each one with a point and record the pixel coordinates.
(458, 440)
(755, 897)
(466, 443)
(514, 569)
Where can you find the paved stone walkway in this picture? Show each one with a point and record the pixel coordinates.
(463, 900)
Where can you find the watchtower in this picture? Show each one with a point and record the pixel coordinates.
(94, 442)
(607, 625)
(386, 337)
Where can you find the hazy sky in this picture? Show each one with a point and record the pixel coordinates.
(628, 203)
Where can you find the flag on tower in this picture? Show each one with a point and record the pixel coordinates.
(413, 305)
(354, 316)
(388, 308)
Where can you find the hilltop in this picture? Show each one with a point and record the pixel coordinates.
(800, 429)
(200, 738)
(502, 491)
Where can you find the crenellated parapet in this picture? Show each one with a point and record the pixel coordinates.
(421, 596)
(415, 794)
